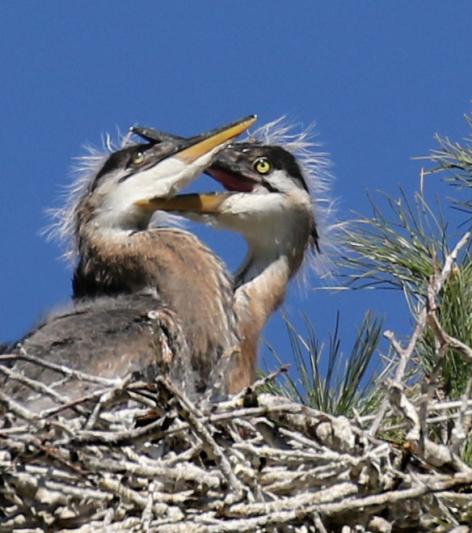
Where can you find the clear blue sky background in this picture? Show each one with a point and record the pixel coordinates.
(379, 79)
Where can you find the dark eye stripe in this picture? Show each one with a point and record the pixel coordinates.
(268, 186)
(125, 177)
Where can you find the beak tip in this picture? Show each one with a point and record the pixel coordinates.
(252, 118)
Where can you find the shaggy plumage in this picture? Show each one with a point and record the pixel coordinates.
(127, 273)
(284, 212)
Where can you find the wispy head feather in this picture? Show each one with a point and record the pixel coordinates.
(64, 219)
(313, 162)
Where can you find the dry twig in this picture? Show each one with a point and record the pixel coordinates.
(220, 467)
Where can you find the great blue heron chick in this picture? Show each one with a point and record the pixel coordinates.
(134, 285)
(276, 201)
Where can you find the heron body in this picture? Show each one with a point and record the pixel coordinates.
(177, 267)
(142, 296)
(110, 337)
(262, 281)
(271, 203)
(276, 217)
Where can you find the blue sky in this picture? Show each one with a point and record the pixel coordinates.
(379, 79)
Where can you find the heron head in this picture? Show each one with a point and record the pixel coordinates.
(267, 199)
(118, 196)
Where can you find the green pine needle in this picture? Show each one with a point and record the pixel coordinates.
(344, 386)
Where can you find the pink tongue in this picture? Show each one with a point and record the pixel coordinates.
(229, 181)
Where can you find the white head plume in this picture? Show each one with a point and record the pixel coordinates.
(63, 227)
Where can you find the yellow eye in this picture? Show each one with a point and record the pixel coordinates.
(262, 165)
(138, 158)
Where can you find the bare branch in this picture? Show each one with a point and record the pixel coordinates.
(404, 354)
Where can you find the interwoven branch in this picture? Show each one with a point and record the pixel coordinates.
(141, 456)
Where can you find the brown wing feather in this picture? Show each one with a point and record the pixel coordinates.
(189, 279)
(107, 337)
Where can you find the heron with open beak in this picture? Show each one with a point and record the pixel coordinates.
(275, 198)
(140, 294)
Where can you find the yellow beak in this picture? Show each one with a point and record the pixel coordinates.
(187, 203)
(222, 135)
(198, 147)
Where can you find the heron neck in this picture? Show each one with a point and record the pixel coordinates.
(183, 274)
(261, 286)
(109, 263)
(263, 279)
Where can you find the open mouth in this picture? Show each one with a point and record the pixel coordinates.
(204, 203)
(230, 180)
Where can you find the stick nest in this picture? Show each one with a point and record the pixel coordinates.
(136, 456)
